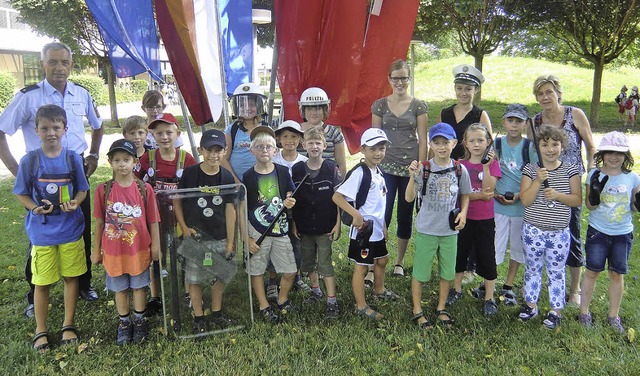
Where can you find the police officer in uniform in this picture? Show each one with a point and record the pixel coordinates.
(56, 61)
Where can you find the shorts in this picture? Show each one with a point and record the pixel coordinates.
(49, 263)
(427, 246)
(316, 254)
(367, 256)
(612, 249)
(479, 235)
(509, 229)
(278, 249)
(126, 281)
(198, 274)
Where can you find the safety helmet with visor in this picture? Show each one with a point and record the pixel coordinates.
(248, 101)
(312, 97)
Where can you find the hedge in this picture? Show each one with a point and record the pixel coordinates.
(96, 87)
(7, 89)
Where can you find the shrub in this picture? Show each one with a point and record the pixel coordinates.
(139, 87)
(7, 88)
(96, 87)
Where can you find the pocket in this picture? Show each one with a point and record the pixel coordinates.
(592, 233)
(77, 109)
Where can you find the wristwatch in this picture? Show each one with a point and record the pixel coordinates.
(94, 155)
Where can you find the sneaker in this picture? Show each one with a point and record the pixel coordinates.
(527, 313)
(299, 285)
(89, 294)
(221, 321)
(199, 325)
(272, 293)
(585, 319)
(616, 324)
(385, 295)
(30, 312)
(509, 296)
(453, 297)
(140, 331)
(154, 307)
(468, 277)
(490, 307)
(552, 320)
(478, 292)
(269, 315)
(313, 298)
(574, 299)
(125, 333)
(333, 311)
(286, 308)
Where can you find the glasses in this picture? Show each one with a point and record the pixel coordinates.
(156, 108)
(264, 147)
(404, 80)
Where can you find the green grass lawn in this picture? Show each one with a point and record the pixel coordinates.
(306, 343)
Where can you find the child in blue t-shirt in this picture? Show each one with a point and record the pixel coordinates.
(51, 185)
(611, 189)
(513, 152)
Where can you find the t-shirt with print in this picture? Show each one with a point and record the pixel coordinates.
(613, 215)
(543, 214)
(126, 239)
(480, 209)
(279, 159)
(511, 165)
(53, 181)
(373, 209)
(206, 213)
(166, 173)
(441, 196)
(264, 201)
(241, 158)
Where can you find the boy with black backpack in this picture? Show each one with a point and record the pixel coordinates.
(162, 168)
(439, 184)
(513, 153)
(368, 231)
(51, 184)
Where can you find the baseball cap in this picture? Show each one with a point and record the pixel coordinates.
(261, 129)
(516, 110)
(467, 74)
(614, 141)
(291, 126)
(164, 118)
(373, 136)
(443, 130)
(211, 138)
(123, 145)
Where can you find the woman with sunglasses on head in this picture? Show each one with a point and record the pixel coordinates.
(404, 120)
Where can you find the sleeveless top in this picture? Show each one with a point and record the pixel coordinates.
(572, 153)
(447, 116)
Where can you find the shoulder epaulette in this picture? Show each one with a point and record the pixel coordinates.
(77, 84)
(29, 88)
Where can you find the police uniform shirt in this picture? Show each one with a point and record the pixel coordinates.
(77, 102)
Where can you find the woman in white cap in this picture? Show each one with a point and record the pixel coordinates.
(404, 119)
(548, 93)
(466, 82)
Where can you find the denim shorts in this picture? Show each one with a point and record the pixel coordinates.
(613, 249)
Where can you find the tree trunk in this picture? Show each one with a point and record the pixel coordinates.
(112, 93)
(595, 95)
(478, 63)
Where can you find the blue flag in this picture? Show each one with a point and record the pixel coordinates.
(236, 29)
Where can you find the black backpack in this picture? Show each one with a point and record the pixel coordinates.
(363, 191)
(457, 167)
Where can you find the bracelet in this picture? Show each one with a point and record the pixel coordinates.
(94, 155)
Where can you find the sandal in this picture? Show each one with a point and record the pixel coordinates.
(385, 295)
(449, 321)
(69, 341)
(369, 313)
(398, 270)
(428, 324)
(368, 279)
(43, 347)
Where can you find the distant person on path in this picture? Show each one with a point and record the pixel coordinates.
(611, 195)
(621, 100)
(548, 93)
(632, 107)
(404, 119)
(57, 63)
(51, 185)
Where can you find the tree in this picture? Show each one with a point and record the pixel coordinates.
(597, 30)
(71, 22)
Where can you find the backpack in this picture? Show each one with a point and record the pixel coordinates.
(152, 163)
(525, 150)
(426, 165)
(363, 191)
(34, 163)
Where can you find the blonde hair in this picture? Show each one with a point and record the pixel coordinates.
(548, 79)
(472, 128)
(263, 138)
(132, 123)
(315, 133)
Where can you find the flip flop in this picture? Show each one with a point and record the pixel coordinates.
(43, 347)
(69, 341)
